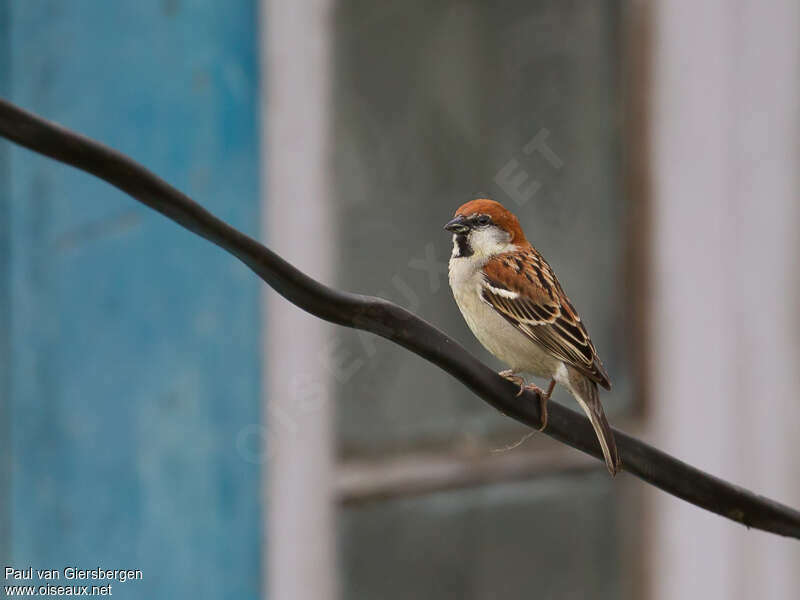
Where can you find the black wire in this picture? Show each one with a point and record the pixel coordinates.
(394, 323)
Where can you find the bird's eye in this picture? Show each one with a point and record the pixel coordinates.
(483, 220)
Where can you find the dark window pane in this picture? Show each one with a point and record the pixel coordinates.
(551, 538)
(434, 104)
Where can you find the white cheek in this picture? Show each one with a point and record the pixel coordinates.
(489, 241)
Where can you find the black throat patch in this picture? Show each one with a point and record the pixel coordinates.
(464, 249)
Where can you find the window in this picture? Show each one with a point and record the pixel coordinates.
(435, 104)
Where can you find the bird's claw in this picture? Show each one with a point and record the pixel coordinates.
(541, 394)
(543, 398)
(509, 374)
(532, 387)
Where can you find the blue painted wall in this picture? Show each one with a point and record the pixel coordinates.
(134, 346)
(5, 310)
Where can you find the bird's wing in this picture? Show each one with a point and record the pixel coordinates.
(522, 287)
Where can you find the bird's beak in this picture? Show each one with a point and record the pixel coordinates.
(457, 225)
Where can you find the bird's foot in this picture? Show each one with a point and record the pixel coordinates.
(530, 387)
(509, 374)
(543, 396)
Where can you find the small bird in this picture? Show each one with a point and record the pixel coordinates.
(515, 306)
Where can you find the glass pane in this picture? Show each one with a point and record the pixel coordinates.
(436, 103)
(552, 538)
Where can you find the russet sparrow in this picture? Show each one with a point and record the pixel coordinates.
(515, 306)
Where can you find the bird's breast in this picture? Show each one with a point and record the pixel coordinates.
(497, 335)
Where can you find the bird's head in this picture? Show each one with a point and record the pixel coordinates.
(484, 228)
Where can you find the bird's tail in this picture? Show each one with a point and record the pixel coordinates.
(585, 392)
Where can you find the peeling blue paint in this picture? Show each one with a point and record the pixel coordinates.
(134, 346)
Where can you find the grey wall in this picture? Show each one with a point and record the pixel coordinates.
(726, 331)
